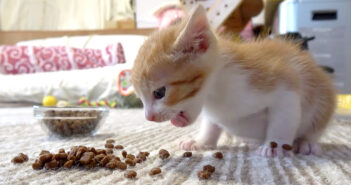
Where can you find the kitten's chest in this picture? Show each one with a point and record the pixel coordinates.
(231, 97)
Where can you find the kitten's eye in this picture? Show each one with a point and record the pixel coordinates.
(160, 92)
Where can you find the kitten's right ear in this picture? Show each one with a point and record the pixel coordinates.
(194, 38)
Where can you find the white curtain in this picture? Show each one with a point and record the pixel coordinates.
(61, 14)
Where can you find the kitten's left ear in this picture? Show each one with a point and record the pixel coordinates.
(194, 38)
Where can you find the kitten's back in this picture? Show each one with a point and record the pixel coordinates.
(270, 63)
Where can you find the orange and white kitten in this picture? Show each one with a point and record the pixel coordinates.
(268, 89)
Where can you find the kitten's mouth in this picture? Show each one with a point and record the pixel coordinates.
(181, 120)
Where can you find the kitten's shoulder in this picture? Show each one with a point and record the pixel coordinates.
(265, 61)
(258, 46)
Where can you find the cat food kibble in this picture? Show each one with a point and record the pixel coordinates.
(109, 145)
(204, 174)
(99, 157)
(100, 151)
(138, 160)
(145, 153)
(209, 168)
(155, 171)
(45, 157)
(115, 158)
(61, 150)
(60, 156)
(61, 162)
(79, 154)
(163, 154)
(121, 165)
(130, 162)
(71, 156)
(119, 147)
(81, 151)
(124, 153)
(51, 165)
(111, 165)
(187, 154)
(20, 158)
(37, 165)
(130, 156)
(130, 174)
(141, 156)
(86, 158)
(68, 164)
(273, 144)
(44, 152)
(287, 147)
(218, 155)
(92, 149)
(104, 161)
(24, 156)
(92, 164)
(110, 141)
(109, 151)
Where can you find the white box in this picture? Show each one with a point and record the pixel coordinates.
(330, 22)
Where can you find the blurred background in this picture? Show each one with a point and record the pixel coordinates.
(51, 42)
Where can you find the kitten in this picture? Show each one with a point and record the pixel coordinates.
(268, 90)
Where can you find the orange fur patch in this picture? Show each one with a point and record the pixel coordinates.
(265, 61)
(184, 81)
(153, 52)
(184, 89)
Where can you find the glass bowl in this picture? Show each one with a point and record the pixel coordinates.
(70, 121)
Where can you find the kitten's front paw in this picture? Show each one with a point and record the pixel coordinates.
(194, 145)
(273, 149)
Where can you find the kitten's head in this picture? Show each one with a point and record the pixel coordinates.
(171, 69)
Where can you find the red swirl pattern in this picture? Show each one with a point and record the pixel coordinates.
(31, 59)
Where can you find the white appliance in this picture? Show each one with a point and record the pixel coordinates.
(330, 22)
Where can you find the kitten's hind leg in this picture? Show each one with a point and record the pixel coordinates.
(207, 138)
(283, 122)
(307, 147)
(308, 144)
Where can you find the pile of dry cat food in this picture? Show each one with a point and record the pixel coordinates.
(66, 123)
(89, 157)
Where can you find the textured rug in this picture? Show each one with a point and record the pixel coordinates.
(19, 133)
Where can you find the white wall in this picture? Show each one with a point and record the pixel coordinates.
(145, 9)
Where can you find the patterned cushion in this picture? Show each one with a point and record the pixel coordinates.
(32, 59)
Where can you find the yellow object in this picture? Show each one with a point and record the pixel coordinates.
(344, 101)
(49, 101)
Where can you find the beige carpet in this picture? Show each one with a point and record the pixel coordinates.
(128, 127)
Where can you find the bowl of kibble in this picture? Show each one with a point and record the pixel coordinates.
(70, 121)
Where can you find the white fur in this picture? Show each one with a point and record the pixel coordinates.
(235, 106)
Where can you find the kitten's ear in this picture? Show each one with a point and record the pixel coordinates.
(194, 38)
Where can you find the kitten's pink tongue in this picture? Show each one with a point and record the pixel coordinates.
(180, 120)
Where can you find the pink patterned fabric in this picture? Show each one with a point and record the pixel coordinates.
(31, 59)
